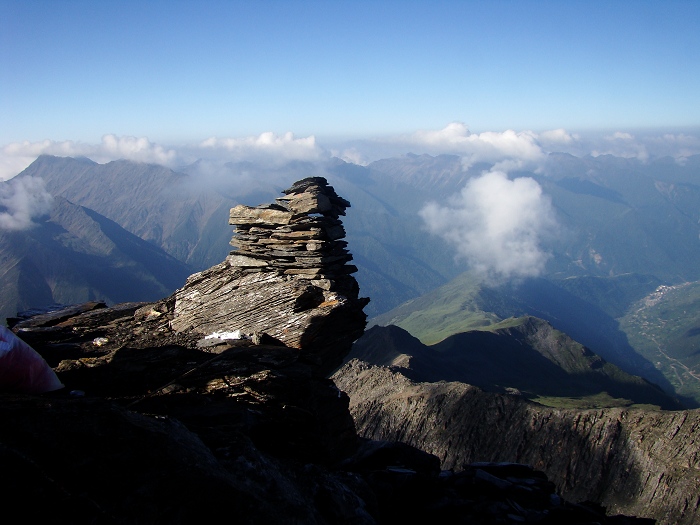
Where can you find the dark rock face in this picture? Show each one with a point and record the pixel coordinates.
(637, 462)
(288, 279)
(151, 428)
(158, 426)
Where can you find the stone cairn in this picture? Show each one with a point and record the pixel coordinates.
(288, 280)
(300, 235)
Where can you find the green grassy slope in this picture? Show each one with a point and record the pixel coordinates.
(465, 304)
(665, 328)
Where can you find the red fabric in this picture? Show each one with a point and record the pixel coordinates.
(22, 369)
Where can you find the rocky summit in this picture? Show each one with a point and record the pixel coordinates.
(164, 419)
(288, 280)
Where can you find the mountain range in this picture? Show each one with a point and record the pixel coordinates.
(75, 255)
(628, 461)
(478, 370)
(625, 228)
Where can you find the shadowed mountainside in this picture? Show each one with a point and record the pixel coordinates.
(155, 203)
(636, 462)
(75, 255)
(466, 303)
(524, 356)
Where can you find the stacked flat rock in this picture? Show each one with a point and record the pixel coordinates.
(300, 235)
(287, 280)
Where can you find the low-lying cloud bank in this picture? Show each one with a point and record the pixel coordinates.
(266, 149)
(507, 150)
(496, 225)
(515, 149)
(21, 201)
(523, 149)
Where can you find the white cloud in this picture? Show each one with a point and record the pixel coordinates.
(250, 163)
(509, 150)
(622, 144)
(496, 225)
(680, 146)
(557, 136)
(620, 135)
(266, 148)
(351, 155)
(647, 146)
(21, 201)
(133, 148)
(522, 149)
(505, 150)
(18, 155)
(489, 146)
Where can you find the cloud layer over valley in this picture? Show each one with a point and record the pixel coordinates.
(507, 150)
(496, 225)
(21, 201)
(266, 149)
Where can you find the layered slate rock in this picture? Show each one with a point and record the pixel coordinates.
(288, 280)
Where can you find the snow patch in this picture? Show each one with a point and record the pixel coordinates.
(236, 334)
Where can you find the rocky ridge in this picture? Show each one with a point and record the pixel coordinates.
(156, 427)
(161, 423)
(644, 463)
(524, 356)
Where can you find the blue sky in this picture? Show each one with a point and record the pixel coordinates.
(181, 71)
